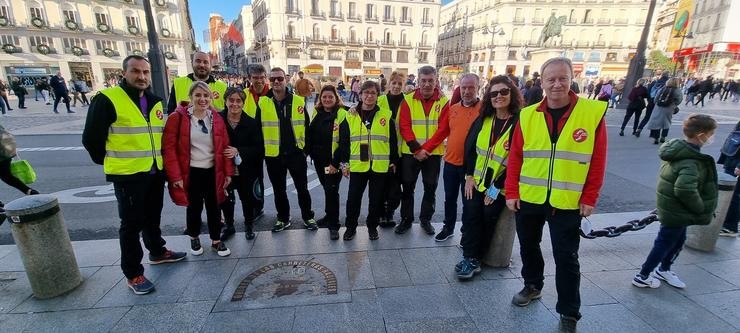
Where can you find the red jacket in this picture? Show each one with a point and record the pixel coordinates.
(596, 171)
(404, 123)
(176, 153)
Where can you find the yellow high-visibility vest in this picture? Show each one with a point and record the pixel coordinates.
(562, 167)
(341, 115)
(495, 163)
(378, 138)
(383, 104)
(218, 89)
(250, 106)
(133, 144)
(422, 125)
(271, 124)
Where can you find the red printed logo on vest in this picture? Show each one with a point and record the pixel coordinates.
(436, 109)
(382, 121)
(506, 145)
(160, 115)
(580, 135)
(300, 109)
(215, 95)
(336, 127)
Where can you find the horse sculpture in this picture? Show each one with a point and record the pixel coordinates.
(552, 28)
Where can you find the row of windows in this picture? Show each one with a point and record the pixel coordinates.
(335, 10)
(367, 55)
(594, 56)
(369, 35)
(70, 42)
(100, 17)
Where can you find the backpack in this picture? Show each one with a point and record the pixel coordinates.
(664, 98)
(655, 89)
(732, 144)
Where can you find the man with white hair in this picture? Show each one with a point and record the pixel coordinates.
(555, 171)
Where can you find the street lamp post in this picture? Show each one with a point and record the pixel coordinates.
(156, 58)
(637, 64)
(493, 30)
(689, 35)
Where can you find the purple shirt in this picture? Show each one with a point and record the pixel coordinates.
(143, 105)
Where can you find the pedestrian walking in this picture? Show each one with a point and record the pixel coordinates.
(383, 83)
(605, 94)
(730, 159)
(616, 93)
(201, 72)
(691, 92)
(247, 151)
(75, 95)
(637, 98)
(198, 172)
(81, 87)
(20, 92)
(534, 94)
(123, 132)
(392, 101)
(597, 89)
(45, 90)
(4, 95)
(59, 85)
(486, 152)
(653, 89)
(666, 105)
(590, 89)
(355, 95)
(556, 177)
(305, 89)
(687, 195)
(705, 87)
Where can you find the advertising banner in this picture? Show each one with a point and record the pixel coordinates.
(684, 16)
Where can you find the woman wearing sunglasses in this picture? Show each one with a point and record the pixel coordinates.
(198, 173)
(323, 140)
(486, 151)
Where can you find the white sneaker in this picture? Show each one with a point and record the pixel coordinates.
(669, 277)
(650, 282)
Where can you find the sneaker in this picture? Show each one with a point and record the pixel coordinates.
(280, 226)
(727, 233)
(669, 277)
(195, 248)
(141, 285)
(459, 265)
(649, 282)
(568, 324)
(70, 111)
(311, 224)
(443, 235)
(248, 232)
(349, 234)
(221, 249)
(387, 223)
(402, 227)
(373, 233)
(621, 133)
(167, 257)
(467, 270)
(228, 231)
(427, 227)
(526, 295)
(333, 234)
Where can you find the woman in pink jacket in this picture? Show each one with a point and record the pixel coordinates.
(193, 145)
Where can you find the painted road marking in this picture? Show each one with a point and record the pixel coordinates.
(52, 149)
(90, 194)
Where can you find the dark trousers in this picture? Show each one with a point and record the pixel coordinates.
(665, 250)
(701, 98)
(410, 169)
(5, 98)
(277, 170)
(479, 224)
(202, 190)
(330, 183)
(59, 97)
(648, 112)
(454, 181)
(21, 101)
(565, 239)
(9, 179)
(628, 114)
(392, 198)
(357, 183)
(659, 133)
(84, 98)
(140, 209)
(733, 212)
(250, 193)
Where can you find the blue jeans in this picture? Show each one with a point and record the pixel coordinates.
(665, 250)
(454, 180)
(733, 212)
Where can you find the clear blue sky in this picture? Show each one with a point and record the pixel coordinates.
(200, 11)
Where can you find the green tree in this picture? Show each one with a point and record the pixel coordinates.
(658, 61)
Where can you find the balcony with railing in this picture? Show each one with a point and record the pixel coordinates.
(599, 43)
(370, 18)
(424, 45)
(538, 20)
(405, 21)
(427, 23)
(354, 41)
(582, 43)
(388, 43)
(291, 12)
(354, 18)
(316, 14)
(615, 44)
(588, 21)
(621, 20)
(604, 20)
(404, 44)
(389, 19)
(336, 40)
(337, 16)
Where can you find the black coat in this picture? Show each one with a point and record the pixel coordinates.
(246, 137)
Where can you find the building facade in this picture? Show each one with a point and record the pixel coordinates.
(216, 29)
(87, 39)
(237, 43)
(491, 37)
(343, 38)
(663, 28)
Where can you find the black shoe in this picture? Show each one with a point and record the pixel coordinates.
(427, 227)
(637, 133)
(443, 235)
(655, 142)
(22, 107)
(403, 227)
(32, 192)
(568, 324)
(373, 233)
(166, 257)
(195, 248)
(333, 234)
(322, 223)
(526, 295)
(621, 133)
(387, 223)
(248, 231)
(55, 111)
(70, 111)
(662, 139)
(349, 234)
(228, 231)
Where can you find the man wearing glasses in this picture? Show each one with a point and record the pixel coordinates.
(201, 72)
(419, 118)
(258, 77)
(284, 122)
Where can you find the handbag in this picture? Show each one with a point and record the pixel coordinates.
(675, 109)
(7, 144)
(23, 170)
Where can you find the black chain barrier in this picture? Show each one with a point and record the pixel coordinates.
(615, 231)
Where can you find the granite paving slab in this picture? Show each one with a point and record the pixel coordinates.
(208, 281)
(699, 281)
(388, 269)
(97, 281)
(359, 271)
(462, 324)
(590, 293)
(611, 318)
(73, 321)
(727, 270)
(176, 318)
(363, 314)
(416, 303)
(14, 289)
(421, 266)
(170, 281)
(725, 305)
(260, 320)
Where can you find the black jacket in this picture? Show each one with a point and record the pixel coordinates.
(321, 137)
(246, 137)
(100, 116)
(287, 138)
(59, 85)
(471, 154)
(172, 102)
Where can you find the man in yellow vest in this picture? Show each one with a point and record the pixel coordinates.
(556, 168)
(284, 122)
(258, 78)
(123, 132)
(419, 117)
(201, 72)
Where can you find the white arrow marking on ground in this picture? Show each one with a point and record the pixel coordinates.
(51, 149)
(103, 193)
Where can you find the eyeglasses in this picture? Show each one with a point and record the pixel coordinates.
(503, 92)
(203, 127)
(279, 79)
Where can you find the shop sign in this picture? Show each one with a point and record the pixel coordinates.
(29, 70)
(352, 64)
(592, 70)
(578, 67)
(372, 71)
(313, 69)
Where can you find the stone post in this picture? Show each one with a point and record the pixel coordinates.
(704, 237)
(499, 252)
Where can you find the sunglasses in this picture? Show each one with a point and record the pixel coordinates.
(203, 127)
(503, 92)
(279, 79)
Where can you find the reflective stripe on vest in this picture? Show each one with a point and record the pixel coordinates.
(218, 89)
(383, 104)
(133, 144)
(560, 168)
(250, 106)
(377, 138)
(271, 124)
(341, 116)
(422, 125)
(495, 163)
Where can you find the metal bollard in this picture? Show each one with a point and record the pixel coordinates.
(704, 237)
(499, 252)
(44, 245)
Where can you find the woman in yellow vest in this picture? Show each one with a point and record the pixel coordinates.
(369, 150)
(323, 140)
(392, 101)
(486, 151)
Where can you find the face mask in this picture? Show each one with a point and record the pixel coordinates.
(709, 141)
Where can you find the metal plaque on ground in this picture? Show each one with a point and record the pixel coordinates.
(287, 279)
